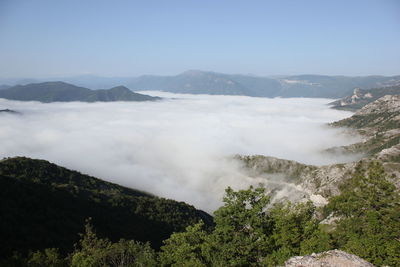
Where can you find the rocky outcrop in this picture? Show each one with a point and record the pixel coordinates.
(379, 116)
(331, 258)
(387, 103)
(361, 97)
(378, 122)
(316, 183)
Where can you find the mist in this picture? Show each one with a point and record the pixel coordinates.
(180, 147)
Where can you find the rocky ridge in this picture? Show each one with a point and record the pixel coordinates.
(378, 122)
(315, 183)
(361, 97)
(331, 258)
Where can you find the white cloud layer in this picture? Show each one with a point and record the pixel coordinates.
(178, 148)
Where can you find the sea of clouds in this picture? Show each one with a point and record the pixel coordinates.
(180, 147)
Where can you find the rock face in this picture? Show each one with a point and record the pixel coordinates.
(387, 103)
(381, 117)
(331, 258)
(315, 183)
(379, 122)
(361, 97)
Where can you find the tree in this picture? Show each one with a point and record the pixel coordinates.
(186, 248)
(242, 234)
(292, 225)
(94, 251)
(246, 233)
(369, 208)
(49, 257)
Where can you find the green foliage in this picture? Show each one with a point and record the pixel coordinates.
(248, 230)
(94, 251)
(382, 121)
(292, 225)
(384, 144)
(43, 205)
(49, 257)
(247, 234)
(369, 207)
(186, 248)
(242, 227)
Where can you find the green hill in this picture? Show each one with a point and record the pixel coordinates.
(44, 205)
(65, 92)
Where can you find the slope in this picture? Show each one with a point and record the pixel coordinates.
(44, 205)
(378, 122)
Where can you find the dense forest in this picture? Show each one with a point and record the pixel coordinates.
(45, 207)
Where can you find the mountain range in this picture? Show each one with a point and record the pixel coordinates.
(206, 82)
(65, 92)
(200, 82)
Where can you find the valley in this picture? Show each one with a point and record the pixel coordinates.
(237, 144)
(199, 133)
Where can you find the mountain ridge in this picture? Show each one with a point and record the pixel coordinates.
(64, 92)
(208, 82)
(205, 82)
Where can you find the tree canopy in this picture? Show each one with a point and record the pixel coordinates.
(249, 230)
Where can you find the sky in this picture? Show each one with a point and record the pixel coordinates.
(45, 38)
(180, 148)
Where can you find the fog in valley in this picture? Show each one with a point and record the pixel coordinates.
(180, 147)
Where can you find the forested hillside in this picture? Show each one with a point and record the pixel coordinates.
(43, 205)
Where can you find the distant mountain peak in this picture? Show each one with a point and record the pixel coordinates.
(54, 82)
(194, 72)
(120, 88)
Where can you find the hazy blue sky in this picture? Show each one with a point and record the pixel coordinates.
(129, 38)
